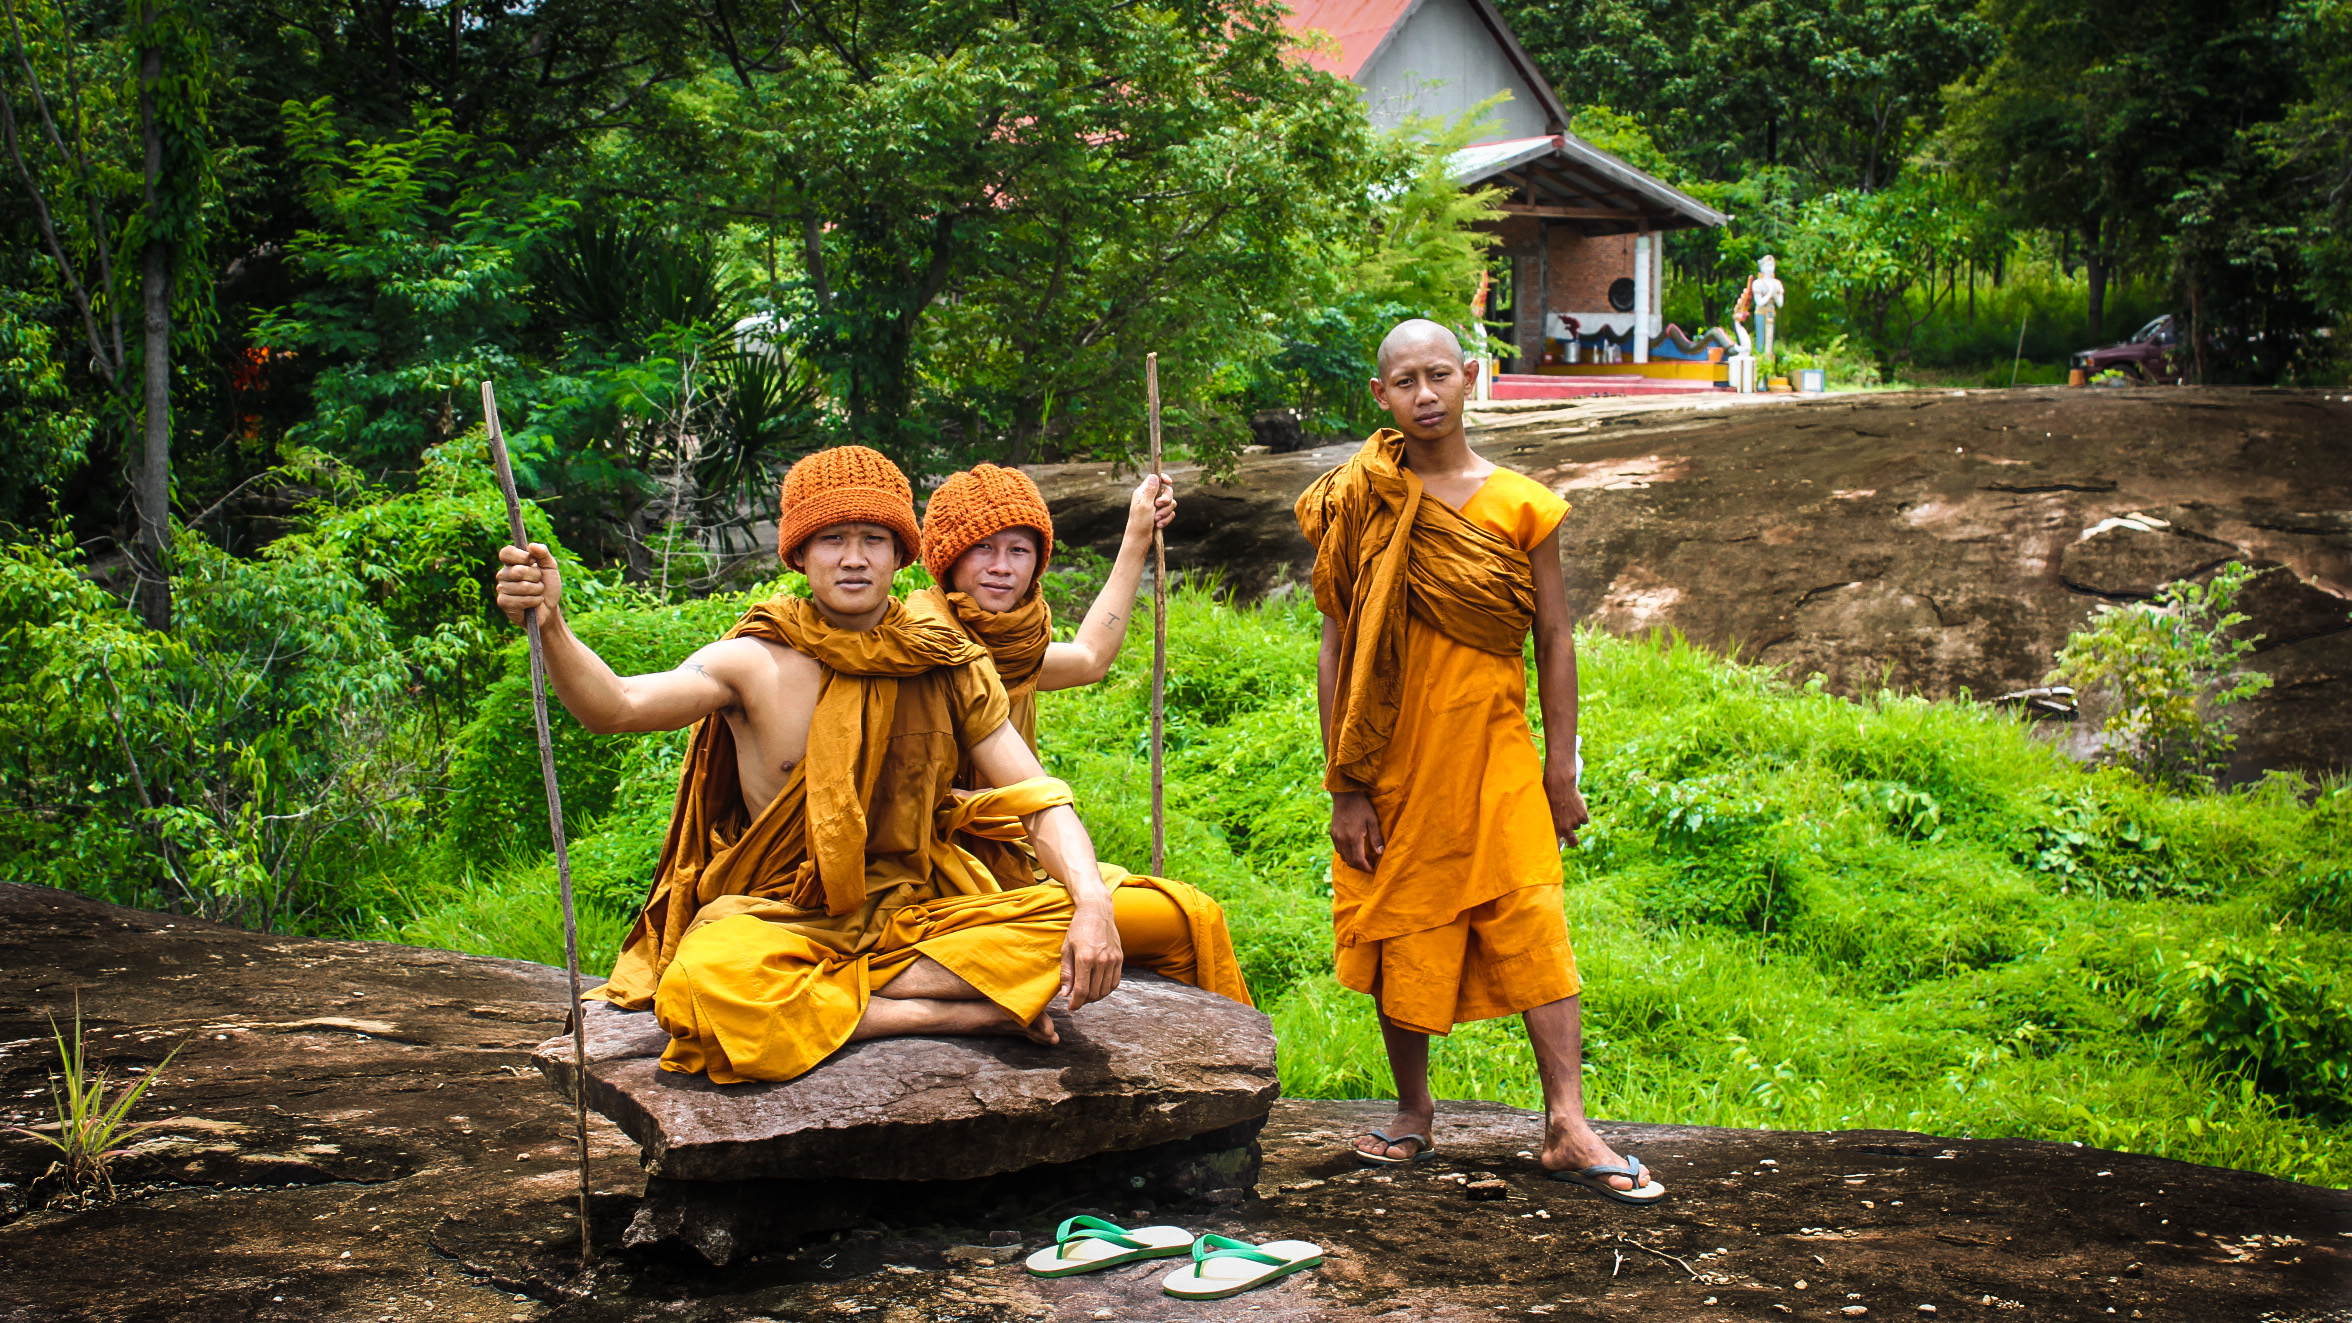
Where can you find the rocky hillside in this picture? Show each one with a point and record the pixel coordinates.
(1930, 541)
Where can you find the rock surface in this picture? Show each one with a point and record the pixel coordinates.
(404, 1162)
(1934, 541)
(1159, 1062)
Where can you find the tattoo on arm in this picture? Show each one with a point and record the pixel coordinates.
(697, 667)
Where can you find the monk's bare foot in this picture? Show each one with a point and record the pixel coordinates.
(1571, 1145)
(1407, 1121)
(1040, 1030)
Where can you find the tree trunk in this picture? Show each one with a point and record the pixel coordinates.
(151, 489)
(2095, 267)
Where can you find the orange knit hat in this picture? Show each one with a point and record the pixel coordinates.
(845, 485)
(979, 503)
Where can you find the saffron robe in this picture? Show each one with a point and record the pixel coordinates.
(1171, 928)
(765, 934)
(1461, 919)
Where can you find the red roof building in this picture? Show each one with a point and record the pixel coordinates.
(1578, 269)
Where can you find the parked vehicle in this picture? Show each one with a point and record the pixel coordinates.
(2153, 355)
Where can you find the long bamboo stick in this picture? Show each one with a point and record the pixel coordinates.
(1159, 678)
(555, 824)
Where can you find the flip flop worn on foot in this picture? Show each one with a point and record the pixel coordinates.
(1383, 1160)
(1083, 1244)
(1222, 1266)
(1596, 1177)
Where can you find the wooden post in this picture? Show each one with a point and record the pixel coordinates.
(555, 825)
(1159, 676)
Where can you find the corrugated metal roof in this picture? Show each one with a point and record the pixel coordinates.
(1359, 26)
(1599, 176)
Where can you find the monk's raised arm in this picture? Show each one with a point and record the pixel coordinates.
(596, 697)
(1087, 657)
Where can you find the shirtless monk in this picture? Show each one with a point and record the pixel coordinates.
(1431, 566)
(808, 894)
(987, 540)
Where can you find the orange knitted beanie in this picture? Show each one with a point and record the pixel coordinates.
(979, 503)
(845, 485)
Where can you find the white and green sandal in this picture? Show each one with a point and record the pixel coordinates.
(1222, 1266)
(1083, 1244)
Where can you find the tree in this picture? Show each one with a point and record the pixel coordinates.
(80, 180)
(1037, 195)
(2120, 123)
(1840, 92)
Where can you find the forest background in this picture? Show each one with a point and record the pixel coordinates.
(260, 255)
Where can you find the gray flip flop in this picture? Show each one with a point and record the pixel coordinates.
(1383, 1160)
(1596, 1178)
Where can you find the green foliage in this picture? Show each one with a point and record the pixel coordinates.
(48, 437)
(242, 767)
(2277, 1019)
(1871, 248)
(90, 1130)
(419, 263)
(2168, 667)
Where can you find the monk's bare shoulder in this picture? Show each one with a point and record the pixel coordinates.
(757, 670)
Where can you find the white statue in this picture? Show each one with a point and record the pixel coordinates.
(1765, 294)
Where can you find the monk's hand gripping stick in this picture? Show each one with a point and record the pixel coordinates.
(555, 825)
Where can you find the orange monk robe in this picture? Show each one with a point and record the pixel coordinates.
(1168, 927)
(766, 934)
(1461, 920)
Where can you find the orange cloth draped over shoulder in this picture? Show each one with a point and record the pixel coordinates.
(1462, 918)
(765, 934)
(1169, 927)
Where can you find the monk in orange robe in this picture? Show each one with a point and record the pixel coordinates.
(810, 892)
(987, 540)
(1431, 567)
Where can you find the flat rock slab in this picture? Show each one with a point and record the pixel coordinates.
(470, 1214)
(1158, 1061)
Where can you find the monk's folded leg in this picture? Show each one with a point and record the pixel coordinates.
(1176, 930)
(1154, 934)
(1007, 945)
(745, 999)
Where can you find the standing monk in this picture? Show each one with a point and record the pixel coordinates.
(987, 540)
(809, 893)
(1431, 565)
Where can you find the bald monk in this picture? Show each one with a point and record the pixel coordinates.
(809, 893)
(987, 540)
(1431, 566)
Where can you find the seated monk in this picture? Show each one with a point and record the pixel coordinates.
(809, 894)
(987, 540)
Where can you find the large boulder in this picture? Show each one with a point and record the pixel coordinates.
(1928, 542)
(1157, 1062)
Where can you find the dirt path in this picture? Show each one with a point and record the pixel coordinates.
(360, 1137)
(1932, 541)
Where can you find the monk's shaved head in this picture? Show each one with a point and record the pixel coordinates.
(1419, 333)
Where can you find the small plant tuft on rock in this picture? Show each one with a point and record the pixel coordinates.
(90, 1131)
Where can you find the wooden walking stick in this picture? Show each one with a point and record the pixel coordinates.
(1159, 676)
(555, 825)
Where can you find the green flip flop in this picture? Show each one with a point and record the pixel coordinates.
(1084, 1244)
(1222, 1266)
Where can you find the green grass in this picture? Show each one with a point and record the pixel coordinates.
(1793, 910)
